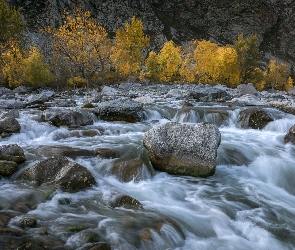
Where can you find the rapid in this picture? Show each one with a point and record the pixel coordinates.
(249, 203)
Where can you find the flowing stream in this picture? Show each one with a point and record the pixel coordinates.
(248, 204)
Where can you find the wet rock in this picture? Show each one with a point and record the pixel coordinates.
(22, 206)
(127, 171)
(65, 151)
(27, 222)
(12, 113)
(106, 90)
(125, 201)
(8, 168)
(209, 94)
(65, 103)
(9, 125)
(44, 96)
(290, 136)
(11, 232)
(30, 246)
(248, 100)
(120, 110)
(12, 152)
(177, 93)
(4, 219)
(76, 229)
(106, 153)
(292, 91)
(180, 149)
(5, 92)
(254, 118)
(245, 89)
(20, 90)
(92, 237)
(59, 171)
(101, 246)
(286, 109)
(66, 117)
(144, 99)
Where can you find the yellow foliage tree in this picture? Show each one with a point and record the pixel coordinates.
(217, 64)
(249, 55)
(36, 69)
(13, 65)
(227, 66)
(188, 65)
(82, 44)
(289, 84)
(127, 53)
(152, 71)
(205, 58)
(169, 61)
(276, 76)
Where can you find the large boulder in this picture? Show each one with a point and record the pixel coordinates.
(180, 149)
(59, 171)
(9, 125)
(254, 118)
(12, 152)
(290, 136)
(66, 117)
(8, 168)
(209, 94)
(247, 89)
(120, 110)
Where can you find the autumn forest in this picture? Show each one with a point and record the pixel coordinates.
(82, 54)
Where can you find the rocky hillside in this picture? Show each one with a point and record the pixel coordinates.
(273, 21)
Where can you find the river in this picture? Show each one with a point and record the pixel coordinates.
(248, 204)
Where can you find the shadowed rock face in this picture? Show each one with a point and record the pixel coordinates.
(59, 171)
(271, 20)
(181, 149)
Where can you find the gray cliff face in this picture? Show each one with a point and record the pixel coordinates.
(273, 21)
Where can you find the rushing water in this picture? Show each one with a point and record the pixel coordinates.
(248, 204)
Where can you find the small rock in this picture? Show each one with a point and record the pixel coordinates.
(290, 136)
(106, 90)
(68, 118)
(9, 125)
(28, 222)
(8, 168)
(144, 99)
(12, 152)
(125, 201)
(247, 89)
(106, 153)
(254, 118)
(59, 171)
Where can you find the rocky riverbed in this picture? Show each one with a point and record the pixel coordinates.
(156, 166)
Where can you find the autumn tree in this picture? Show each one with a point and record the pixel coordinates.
(152, 71)
(169, 61)
(11, 23)
(36, 70)
(205, 58)
(82, 45)
(249, 55)
(227, 66)
(276, 75)
(13, 65)
(128, 51)
(187, 69)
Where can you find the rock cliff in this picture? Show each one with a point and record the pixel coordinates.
(273, 21)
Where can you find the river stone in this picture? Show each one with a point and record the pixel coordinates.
(58, 170)
(125, 201)
(27, 222)
(12, 152)
(247, 89)
(126, 170)
(8, 168)
(106, 153)
(209, 94)
(66, 117)
(44, 96)
(254, 118)
(120, 110)
(180, 149)
(65, 151)
(144, 99)
(9, 125)
(290, 136)
(106, 90)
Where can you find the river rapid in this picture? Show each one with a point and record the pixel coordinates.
(249, 203)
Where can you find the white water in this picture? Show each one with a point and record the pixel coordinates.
(248, 204)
